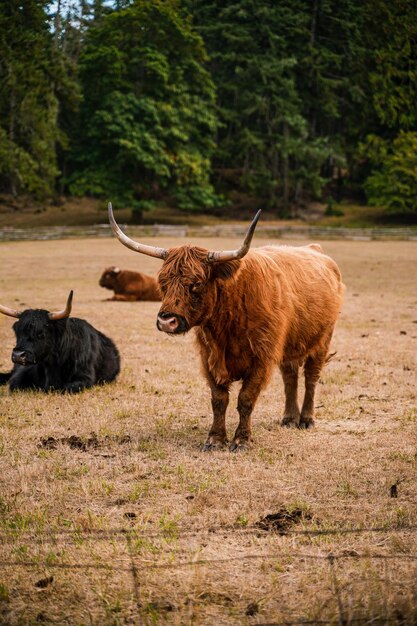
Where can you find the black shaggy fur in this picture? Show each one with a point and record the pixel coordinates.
(66, 354)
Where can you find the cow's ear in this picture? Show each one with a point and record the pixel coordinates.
(226, 270)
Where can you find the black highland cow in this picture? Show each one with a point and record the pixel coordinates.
(56, 352)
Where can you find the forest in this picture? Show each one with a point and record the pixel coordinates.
(198, 104)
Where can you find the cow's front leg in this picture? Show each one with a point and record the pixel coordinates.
(217, 437)
(26, 377)
(248, 395)
(121, 297)
(82, 380)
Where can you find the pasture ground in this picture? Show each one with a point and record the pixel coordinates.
(110, 513)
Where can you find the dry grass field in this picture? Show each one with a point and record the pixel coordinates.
(110, 513)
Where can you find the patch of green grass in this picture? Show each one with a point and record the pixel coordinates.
(409, 416)
(51, 558)
(88, 521)
(298, 505)
(152, 448)
(152, 613)
(142, 545)
(4, 593)
(404, 457)
(24, 521)
(345, 489)
(402, 516)
(272, 457)
(122, 414)
(209, 482)
(169, 526)
(107, 488)
(21, 551)
(139, 491)
(69, 473)
(242, 520)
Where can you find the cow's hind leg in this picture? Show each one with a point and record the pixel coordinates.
(312, 369)
(217, 437)
(289, 371)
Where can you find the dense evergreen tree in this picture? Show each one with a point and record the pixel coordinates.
(389, 122)
(28, 100)
(142, 100)
(147, 118)
(262, 127)
(390, 35)
(329, 52)
(393, 180)
(282, 74)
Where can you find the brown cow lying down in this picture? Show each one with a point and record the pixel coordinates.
(130, 286)
(253, 310)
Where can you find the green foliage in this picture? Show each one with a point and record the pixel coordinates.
(387, 125)
(139, 100)
(257, 101)
(147, 115)
(393, 182)
(391, 33)
(28, 103)
(281, 75)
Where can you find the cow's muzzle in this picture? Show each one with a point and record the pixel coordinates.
(20, 357)
(171, 323)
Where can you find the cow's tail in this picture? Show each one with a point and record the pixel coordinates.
(330, 356)
(5, 377)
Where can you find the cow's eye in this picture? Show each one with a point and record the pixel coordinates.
(40, 334)
(196, 287)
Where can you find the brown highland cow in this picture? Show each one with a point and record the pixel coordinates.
(253, 310)
(130, 286)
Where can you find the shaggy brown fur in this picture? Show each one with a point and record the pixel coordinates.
(275, 307)
(130, 286)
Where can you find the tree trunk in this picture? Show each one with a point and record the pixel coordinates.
(285, 170)
(12, 118)
(313, 35)
(57, 24)
(314, 23)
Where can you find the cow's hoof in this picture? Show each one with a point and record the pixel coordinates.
(290, 422)
(73, 388)
(239, 446)
(213, 445)
(306, 422)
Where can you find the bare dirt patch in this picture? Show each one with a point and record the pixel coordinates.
(107, 497)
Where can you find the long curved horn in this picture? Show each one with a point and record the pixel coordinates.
(59, 315)
(229, 255)
(159, 253)
(10, 312)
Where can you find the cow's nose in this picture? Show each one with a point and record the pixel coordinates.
(19, 356)
(167, 322)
